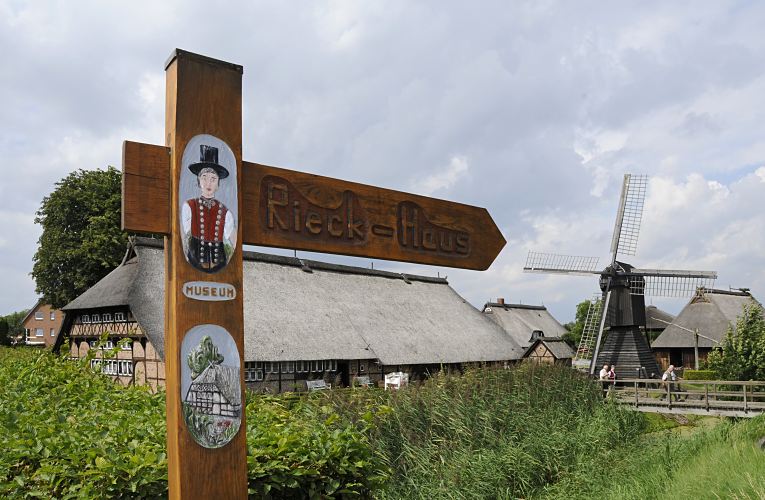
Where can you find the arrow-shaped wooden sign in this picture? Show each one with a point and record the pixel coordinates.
(289, 209)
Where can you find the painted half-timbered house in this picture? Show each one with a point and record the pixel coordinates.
(305, 320)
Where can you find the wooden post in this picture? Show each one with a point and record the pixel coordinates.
(203, 119)
(696, 348)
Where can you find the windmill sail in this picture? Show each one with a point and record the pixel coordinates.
(629, 215)
(669, 282)
(539, 262)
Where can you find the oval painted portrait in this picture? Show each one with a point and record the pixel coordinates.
(211, 392)
(209, 203)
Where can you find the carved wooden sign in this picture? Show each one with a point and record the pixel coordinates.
(288, 209)
(198, 192)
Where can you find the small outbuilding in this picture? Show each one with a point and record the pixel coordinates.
(710, 312)
(520, 321)
(549, 350)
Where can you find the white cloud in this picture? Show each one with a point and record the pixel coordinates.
(535, 112)
(445, 180)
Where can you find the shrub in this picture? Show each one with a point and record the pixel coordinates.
(699, 374)
(66, 432)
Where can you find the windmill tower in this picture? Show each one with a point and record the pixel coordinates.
(619, 308)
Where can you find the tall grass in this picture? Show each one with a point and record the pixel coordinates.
(494, 433)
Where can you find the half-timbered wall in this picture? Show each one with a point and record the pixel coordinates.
(135, 361)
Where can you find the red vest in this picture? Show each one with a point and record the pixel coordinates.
(207, 224)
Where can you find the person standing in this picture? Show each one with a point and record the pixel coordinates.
(670, 380)
(604, 373)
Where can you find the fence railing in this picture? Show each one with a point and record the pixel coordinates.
(713, 397)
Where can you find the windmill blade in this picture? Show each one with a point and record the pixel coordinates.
(539, 262)
(629, 215)
(669, 282)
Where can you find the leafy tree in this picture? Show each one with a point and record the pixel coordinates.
(4, 337)
(81, 240)
(741, 356)
(15, 328)
(576, 327)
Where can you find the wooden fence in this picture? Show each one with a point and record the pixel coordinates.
(699, 397)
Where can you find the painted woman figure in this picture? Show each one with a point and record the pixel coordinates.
(208, 226)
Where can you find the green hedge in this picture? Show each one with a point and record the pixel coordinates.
(700, 375)
(66, 432)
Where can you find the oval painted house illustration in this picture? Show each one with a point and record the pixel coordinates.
(211, 393)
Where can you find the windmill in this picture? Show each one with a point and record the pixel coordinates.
(619, 307)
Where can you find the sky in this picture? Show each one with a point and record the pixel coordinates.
(534, 110)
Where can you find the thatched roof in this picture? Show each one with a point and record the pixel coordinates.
(558, 347)
(711, 311)
(653, 315)
(520, 320)
(333, 312)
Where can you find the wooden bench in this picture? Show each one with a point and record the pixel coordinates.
(396, 380)
(362, 381)
(317, 385)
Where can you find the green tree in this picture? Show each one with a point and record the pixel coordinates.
(15, 328)
(576, 327)
(741, 355)
(5, 339)
(81, 240)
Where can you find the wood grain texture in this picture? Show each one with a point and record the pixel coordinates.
(203, 97)
(145, 188)
(288, 209)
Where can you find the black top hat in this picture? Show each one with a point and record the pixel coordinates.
(208, 158)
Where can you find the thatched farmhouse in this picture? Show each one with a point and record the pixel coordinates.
(520, 321)
(710, 311)
(303, 321)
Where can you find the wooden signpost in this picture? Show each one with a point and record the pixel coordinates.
(197, 191)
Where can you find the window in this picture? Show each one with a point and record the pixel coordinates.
(39, 332)
(53, 316)
(119, 316)
(107, 318)
(52, 332)
(272, 367)
(302, 366)
(126, 344)
(96, 318)
(85, 318)
(109, 344)
(252, 373)
(288, 366)
(39, 315)
(315, 366)
(121, 367)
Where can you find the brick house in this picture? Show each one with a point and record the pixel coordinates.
(42, 325)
